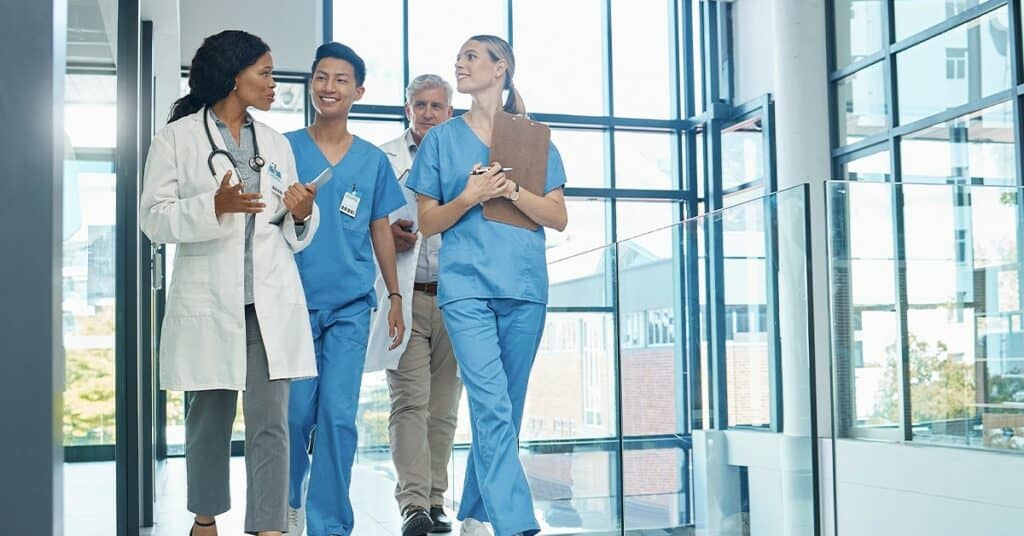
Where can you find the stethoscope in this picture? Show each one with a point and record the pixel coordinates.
(256, 163)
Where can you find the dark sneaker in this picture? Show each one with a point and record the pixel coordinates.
(441, 521)
(416, 522)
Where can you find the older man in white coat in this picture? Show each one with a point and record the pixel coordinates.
(422, 373)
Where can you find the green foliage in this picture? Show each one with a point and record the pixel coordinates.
(941, 386)
(89, 397)
(373, 419)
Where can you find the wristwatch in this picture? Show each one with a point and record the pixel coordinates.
(514, 196)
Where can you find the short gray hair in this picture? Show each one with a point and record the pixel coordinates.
(428, 81)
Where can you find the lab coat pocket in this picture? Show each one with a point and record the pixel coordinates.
(190, 292)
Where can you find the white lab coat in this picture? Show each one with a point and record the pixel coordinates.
(377, 355)
(202, 344)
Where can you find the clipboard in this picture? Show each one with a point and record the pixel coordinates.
(522, 144)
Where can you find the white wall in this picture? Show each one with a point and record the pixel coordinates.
(753, 49)
(293, 29)
(166, 47)
(897, 489)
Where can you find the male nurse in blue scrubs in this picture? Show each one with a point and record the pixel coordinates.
(338, 274)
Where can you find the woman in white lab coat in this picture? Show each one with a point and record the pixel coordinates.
(236, 317)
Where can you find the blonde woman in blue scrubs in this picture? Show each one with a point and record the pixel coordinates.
(493, 284)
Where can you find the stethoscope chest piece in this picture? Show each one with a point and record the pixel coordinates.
(256, 163)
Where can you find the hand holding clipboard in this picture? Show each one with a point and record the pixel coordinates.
(521, 144)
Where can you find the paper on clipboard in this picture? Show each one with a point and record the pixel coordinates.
(522, 144)
(323, 178)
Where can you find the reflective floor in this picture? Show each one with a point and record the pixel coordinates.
(89, 499)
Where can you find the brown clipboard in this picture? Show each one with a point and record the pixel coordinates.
(520, 143)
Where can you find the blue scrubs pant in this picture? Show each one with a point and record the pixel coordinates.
(495, 342)
(327, 405)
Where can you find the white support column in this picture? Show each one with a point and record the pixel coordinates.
(802, 156)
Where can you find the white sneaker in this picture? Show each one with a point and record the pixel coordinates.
(472, 527)
(296, 521)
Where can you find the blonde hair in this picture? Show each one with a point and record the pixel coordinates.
(499, 49)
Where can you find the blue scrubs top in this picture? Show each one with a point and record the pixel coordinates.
(480, 258)
(337, 268)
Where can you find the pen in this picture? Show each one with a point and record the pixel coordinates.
(481, 171)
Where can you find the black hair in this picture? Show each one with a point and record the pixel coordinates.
(342, 52)
(211, 76)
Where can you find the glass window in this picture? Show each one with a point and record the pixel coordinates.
(288, 111)
(437, 32)
(866, 338)
(861, 108)
(374, 31)
(963, 293)
(587, 229)
(742, 154)
(632, 330)
(913, 16)
(650, 282)
(747, 354)
(698, 57)
(660, 326)
(925, 88)
(376, 132)
(975, 148)
(859, 29)
(700, 156)
(574, 492)
(641, 46)
(584, 155)
(875, 167)
(644, 160)
(88, 277)
(571, 391)
(579, 264)
(90, 109)
(542, 35)
(655, 484)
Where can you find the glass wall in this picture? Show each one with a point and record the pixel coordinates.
(88, 279)
(623, 133)
(927, 326)
(923, 242)
(88, 275)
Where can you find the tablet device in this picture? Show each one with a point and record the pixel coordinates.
(323, 178)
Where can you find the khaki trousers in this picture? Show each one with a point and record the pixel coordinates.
(425, 391)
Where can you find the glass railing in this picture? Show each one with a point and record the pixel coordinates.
(927, 327)
(657, 404)
(671, 393)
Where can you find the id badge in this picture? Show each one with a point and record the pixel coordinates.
(276, 181)
(350, 204)
(277, 186)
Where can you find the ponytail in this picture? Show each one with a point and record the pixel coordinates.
(187, 105)
(514, 102)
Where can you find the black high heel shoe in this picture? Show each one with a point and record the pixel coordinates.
(196, 523)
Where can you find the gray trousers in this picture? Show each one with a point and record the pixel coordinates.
(425, 391)
(208, 442)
